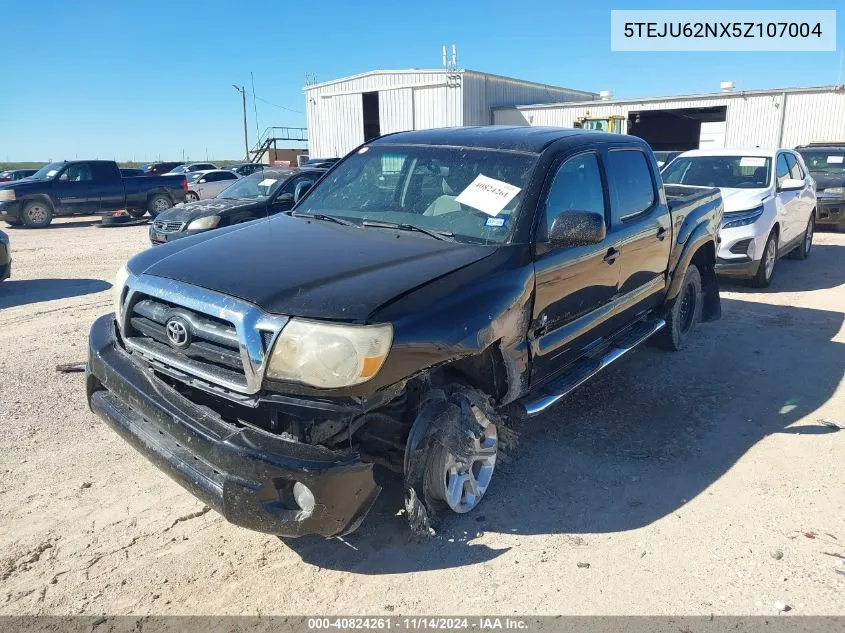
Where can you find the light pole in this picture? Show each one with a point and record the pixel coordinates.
(242, 90)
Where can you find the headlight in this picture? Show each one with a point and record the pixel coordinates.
(741, 218)
(208, 222)
(7, 195)
(327, 354)
(117, 289)
(833, 191)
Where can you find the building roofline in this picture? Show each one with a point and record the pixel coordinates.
(443, 71)
(705, 95)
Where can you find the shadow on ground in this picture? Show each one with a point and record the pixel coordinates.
(25, 291)
(631, 446)
(822, 270)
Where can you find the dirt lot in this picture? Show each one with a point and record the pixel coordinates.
(690, 483)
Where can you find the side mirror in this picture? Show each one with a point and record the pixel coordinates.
(284, 199)
(301, 189)
(577, 228)
(791, 184)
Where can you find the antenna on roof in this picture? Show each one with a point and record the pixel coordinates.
(454, 57)
(444, 57)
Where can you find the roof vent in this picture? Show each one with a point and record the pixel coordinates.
(727, 86)
(606, 95)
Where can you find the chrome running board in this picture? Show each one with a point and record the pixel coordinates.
(587, 368)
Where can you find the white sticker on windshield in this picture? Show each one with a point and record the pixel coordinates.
(267, 182)
(488, 195)
(835, 159)
(52, 173)
(752, 161)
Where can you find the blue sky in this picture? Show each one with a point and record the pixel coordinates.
(152, 79)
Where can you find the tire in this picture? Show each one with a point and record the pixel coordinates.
(190, 196)
(158, 204)
(137, 213)
(459, 483)
(803, 250)
(766, 269)
(36, 215)
(685, 312)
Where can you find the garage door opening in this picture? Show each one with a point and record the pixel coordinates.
(681, 129)
(372, 125)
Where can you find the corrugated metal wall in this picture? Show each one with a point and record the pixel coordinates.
(752, 120)
(814, 117)
(414, 101)
(482, 92)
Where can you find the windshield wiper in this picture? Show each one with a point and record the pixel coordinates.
(324, 218)
(436, 234)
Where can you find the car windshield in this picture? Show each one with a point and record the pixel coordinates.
(824, 161)
(48, 171)
(472, 193)
(730, 172)
(181, 169)
(254, 187)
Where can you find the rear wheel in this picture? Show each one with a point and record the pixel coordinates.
(190, 196)
(803, 251)
(37, 214)
(685, 312)
(766, 269)
(158, 204)
(137, 213)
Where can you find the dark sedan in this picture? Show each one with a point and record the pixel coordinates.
(247, 169)
(256, 196)
(16, 174)
(5, 257)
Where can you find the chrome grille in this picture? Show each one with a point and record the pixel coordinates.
(228, 339)
(168, 227)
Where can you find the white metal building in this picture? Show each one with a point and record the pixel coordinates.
(345, 112)
(754, 118)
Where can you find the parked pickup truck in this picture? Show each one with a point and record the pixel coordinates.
(85, 186)
(434, 287)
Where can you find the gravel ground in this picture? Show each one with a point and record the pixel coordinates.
(693, 483)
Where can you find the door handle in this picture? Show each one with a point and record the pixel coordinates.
(611, 255)
(661, 233)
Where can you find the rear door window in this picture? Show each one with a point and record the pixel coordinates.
(632, 187)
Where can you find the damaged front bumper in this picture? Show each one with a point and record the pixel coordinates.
(253, 478)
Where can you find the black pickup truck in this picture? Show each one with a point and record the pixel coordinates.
(85, 186)
(433, 288)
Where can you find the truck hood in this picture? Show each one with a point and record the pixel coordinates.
(824, 180)
(743, 199)
(184, 212)
(308, 268)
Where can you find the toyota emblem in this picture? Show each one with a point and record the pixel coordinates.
(178, 333)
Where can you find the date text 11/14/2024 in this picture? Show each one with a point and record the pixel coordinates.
(418, 623)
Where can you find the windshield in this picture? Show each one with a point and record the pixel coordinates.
(730, 172)
(178, 170)
(824, 161)
(48, 171)
(254, 187)
(472, 193)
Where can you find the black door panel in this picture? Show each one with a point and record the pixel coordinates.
(574, 286)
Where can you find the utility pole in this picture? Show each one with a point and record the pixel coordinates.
(242, 90)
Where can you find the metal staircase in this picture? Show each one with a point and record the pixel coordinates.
(271, 136)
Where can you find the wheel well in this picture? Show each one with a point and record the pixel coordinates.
(705, 260)
(485, 371)
(776, 228)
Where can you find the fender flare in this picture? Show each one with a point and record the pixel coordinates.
(699, 237)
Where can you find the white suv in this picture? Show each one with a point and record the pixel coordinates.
(770, 202)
